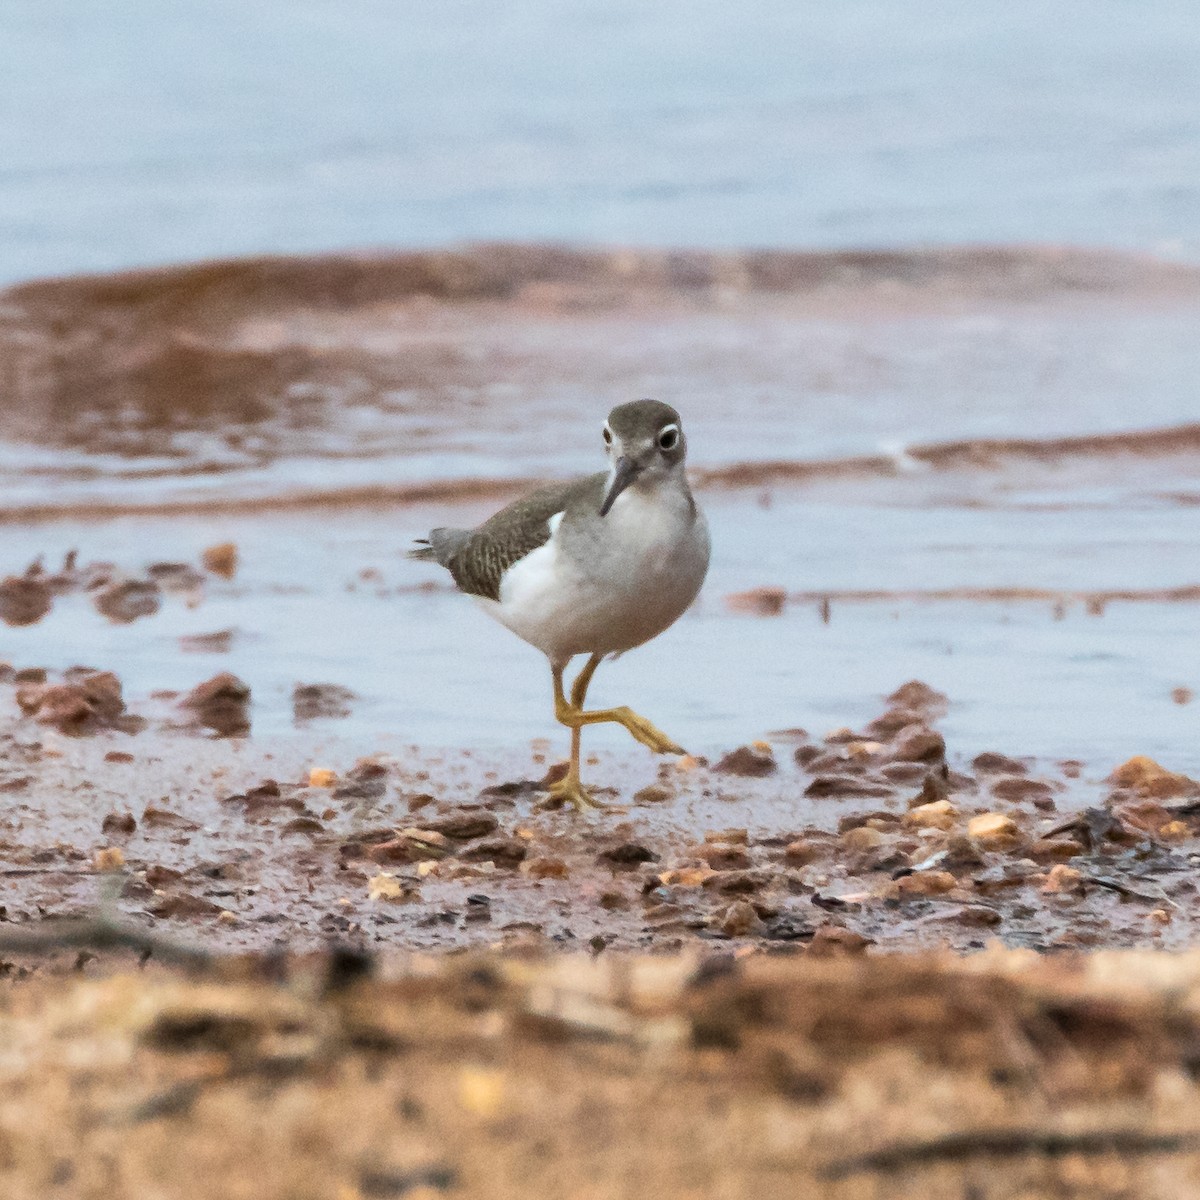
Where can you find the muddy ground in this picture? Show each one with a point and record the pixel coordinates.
(236, 965)
(879, 837)
(282, 910)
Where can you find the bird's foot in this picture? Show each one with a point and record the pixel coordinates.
(570, 790)
(649, 735)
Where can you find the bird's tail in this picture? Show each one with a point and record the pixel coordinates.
(423, 551)
(440, 546)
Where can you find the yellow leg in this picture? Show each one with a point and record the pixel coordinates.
(571, 713)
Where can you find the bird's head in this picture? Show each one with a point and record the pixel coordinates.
(645, 444)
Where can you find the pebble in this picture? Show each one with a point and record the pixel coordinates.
(739, 919)
(109, 858)
(994, 831)
(861, 838)
(928, 883)
(653, 794)
(546, 867)
(24, 601)
(1062, 879)
(1148, 778)
(221, 559)
(221, 704)
(940, 814)
(748, 761)
(919, 745)
(758, 602)
(721, 857)
(800, 852)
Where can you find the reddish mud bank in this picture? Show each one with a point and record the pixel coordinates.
(411, 376)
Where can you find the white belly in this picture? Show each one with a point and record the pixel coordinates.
(636, 573)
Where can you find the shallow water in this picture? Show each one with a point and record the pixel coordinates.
(951, 459)
(138, 133)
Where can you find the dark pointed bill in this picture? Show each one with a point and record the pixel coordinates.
(626, 472)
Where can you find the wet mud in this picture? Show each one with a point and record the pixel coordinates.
(237, 709)
(879, 837)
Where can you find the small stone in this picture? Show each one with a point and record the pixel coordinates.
(890, 723)
(221, 559)
(747, 761)
(1147, 778)
(121, 824)
(221, 704)
(758, 602)
(940, 814)
(503, 851)
(546, 867)
(918, 744)
(739, 883)
(109, 858)
(185, 905)
(322, 777)
(978, 915)
(828, 786)
(991, 763)
(862, 751)
(686, 877)
(125, 600)
(86, 700)
(688, 762)
(315, 701)
(739, 920)
(806, 755)
(927, 883)
(1017, 790)
(731, 837)
(386, 886)
(1062, 879)
(626, 854)
(1175, 831)
(1051, 849)
(833, 941)
(994, 831)
(721, 857)
(24, 601)
(903, 772)
(915, 694)
(861, 838)
(800, 852)
(465, 824)
(653, 794)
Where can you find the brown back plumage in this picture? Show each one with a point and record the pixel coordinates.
(477, 558)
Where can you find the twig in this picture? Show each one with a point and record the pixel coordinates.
(1010, 1143)
(100, 933)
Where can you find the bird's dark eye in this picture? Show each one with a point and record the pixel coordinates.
(607, 436)
(669, 438)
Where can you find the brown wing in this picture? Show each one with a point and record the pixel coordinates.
(478, 558)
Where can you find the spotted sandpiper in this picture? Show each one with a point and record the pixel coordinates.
(592, 566)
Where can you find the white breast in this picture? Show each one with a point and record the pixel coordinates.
(634, 574)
